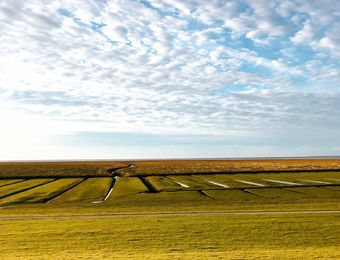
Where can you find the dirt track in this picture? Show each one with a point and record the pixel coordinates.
(185, 214)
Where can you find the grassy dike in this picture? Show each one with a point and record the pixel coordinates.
(94, 235)
(278, 236)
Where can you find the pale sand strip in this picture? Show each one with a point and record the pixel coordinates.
(283, 182)
(320, 182)
(218, 184)
(181, 184)
(252, 183)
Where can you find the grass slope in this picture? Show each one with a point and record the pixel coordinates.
(21, 186)
(196, 237)
(8, 182)
(193, 183)
(163, 183)
(42, 193)
(125, 187)
(93, 189)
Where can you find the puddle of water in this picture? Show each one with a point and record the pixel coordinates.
(251, 183)
(283, 182)
(96, 202)
(108, 195)
(218, 184)
(182, 184)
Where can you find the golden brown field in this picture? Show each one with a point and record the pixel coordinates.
(58, 169)
(161, 167)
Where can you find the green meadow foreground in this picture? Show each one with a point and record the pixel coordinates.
(126, 210)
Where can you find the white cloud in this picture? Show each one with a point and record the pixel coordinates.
(305, 35)
(175, 67)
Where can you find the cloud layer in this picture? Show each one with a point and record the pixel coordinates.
(220, 68)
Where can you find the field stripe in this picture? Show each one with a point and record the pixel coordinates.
(333, 179)
(108, 194)
(26, 188)
(11, 182)
(181, 184)
(66, 190)
(283, 182)
(320, 182)
(218, 184)
(251, 183)
(184, 214)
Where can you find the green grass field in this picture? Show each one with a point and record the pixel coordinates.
(93, 189)
(42, 193)
(163, 183)
(7, 182)
(126, 187)
(16, 188)
(286, 217)
(203, 237)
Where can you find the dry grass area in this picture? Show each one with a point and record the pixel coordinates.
(57, 169)
(227, 166)
(160, 167)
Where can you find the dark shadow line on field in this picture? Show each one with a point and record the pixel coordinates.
(113, 171)
(148, 185)
(299, 192)
(62, 191)
(112, 184)
(249, 192)
(11, 183)
(316, 196)
(203, 193)
(25, 189)
(330, 188)
(43, 199)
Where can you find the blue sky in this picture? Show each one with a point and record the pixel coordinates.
(169, 78)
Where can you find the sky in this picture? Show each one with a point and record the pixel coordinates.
(122, 79)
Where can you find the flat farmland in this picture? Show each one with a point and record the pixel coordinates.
(91, 190)
(167, 167)
(7, 182)
(161, 183)
(18, 187)
(174, 214)
(42, 193)
(57, 169)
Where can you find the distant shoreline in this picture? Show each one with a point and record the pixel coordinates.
(184, 159)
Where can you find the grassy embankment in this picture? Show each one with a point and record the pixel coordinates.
(196, 237)
(43, 193)
(92, 189)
